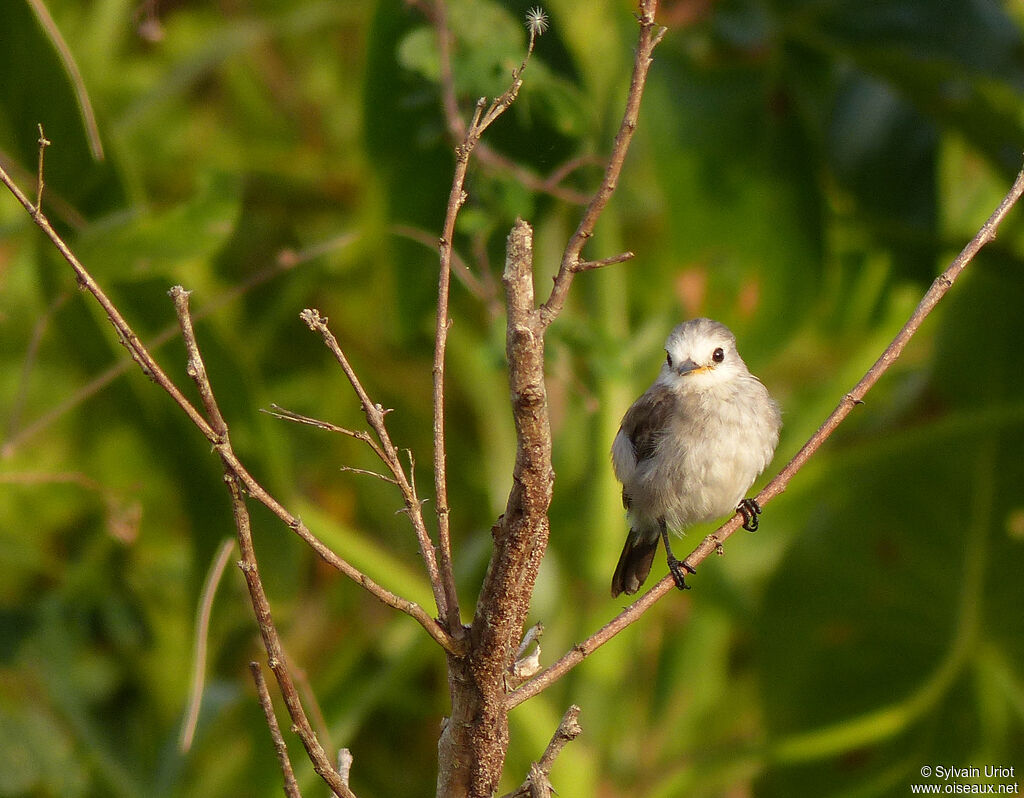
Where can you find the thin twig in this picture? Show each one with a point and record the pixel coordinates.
(650, 35)
(248, 564)
(713, 542)
(289, 415)
(272, 643)
(59, 206)
(483, 117)
(589, 265)
(366, 472)
(291, 786)
(213, 577)
(195, 368)
(538, 783)
(388, 453)
(141, 355)
(43, 144)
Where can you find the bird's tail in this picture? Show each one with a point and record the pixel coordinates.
(634, 563)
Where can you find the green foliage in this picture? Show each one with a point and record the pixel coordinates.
(802, 171)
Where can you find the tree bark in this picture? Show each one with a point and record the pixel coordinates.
(474, 741)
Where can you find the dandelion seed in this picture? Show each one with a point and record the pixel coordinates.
(536, 21)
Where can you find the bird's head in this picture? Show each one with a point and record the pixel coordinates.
(701, 353)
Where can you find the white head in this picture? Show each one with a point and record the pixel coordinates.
(701, 353)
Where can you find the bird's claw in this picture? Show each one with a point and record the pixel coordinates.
(678, 569)
(750, 510)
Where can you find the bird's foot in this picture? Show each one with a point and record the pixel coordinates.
(678, 568)
(750, 510)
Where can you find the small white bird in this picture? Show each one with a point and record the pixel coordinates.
(690, 447)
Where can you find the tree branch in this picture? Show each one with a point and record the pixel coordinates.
(474, 741)
(141, 355)
(291, 786)
(275, 652)
(483, 117)
(538, 783)
(271, 640)
(650, 35)
(388, 453)
(715, 541)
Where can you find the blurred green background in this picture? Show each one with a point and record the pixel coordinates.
(802, 171)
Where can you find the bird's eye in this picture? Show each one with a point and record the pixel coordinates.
(718, 355)
(668, 359)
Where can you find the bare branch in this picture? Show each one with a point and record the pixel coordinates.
(538, 783)
(468, 137)
(389, 454)
(195, 368)
(125, 334)
(714, 541)
(588, 265)
(291, 786)
(43, 144)
(345, 764)
(368, 473)
(290, 415)
(272, 643)
(271, 640)
(478, 728)
(141, 355)
(481, 120)
(650, 35)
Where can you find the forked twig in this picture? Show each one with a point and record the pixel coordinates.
(40, 182)
(291, 786)
(248, 564)
(538, 782)
(650, 35)
(483, 116)
(141, 355)
(388, 453)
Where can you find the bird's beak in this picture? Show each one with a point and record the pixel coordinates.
(689, 367)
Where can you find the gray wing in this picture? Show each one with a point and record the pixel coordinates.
(640, 433)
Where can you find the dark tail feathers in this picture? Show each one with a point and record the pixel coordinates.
(634, 564)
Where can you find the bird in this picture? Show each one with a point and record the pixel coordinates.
(690, 447)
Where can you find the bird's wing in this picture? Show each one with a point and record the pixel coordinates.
(640, 432)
